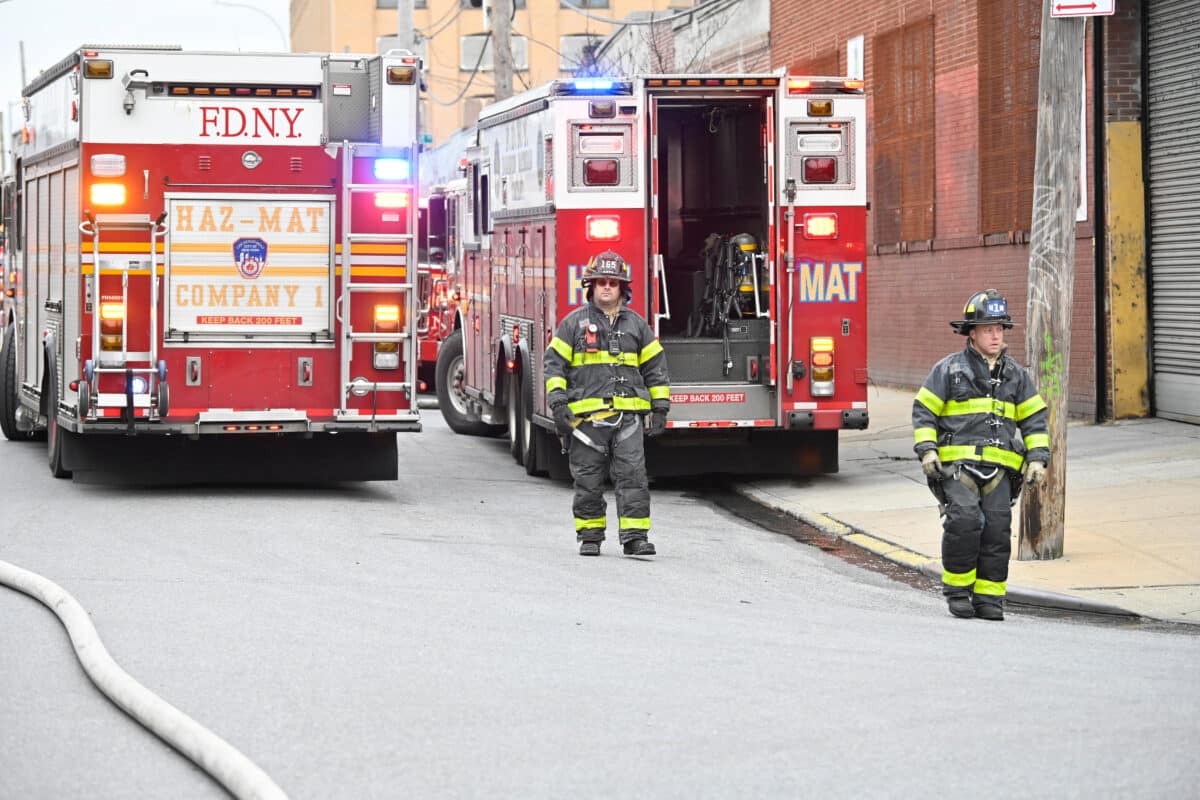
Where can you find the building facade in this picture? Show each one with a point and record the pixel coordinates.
(456, 54)
(953, 92)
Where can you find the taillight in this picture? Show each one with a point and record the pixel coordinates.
(108, 194)
(601, 172)
(603, 229)
(391, 199)
(112, 317)
(387, 354)
(820, 377)
(820, 226)
(820, 170)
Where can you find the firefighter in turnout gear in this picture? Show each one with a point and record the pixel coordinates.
(606, 382)
(979, 425)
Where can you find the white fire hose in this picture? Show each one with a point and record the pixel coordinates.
(210, 752)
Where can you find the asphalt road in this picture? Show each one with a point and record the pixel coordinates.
(439, 637)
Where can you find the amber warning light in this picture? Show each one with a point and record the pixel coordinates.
(820, 226)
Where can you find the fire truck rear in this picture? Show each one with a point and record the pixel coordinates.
(215, 263)
(739, 200)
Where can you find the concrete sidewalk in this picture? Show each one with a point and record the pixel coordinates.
(1132, 533)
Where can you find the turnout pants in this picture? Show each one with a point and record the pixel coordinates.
(976, 535)
(624, 461)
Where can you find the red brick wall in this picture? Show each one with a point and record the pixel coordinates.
(912, 295)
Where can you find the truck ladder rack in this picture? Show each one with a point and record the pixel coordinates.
(128, 222)
(406, 343)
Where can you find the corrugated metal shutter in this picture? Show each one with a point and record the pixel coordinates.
(1174, 144)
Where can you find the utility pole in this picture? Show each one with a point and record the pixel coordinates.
(502, 60)
(21, 48)
(404, 26)
(1051, 268)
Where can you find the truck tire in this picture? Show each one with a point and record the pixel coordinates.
(531, 434)
(452, 401)
(54, 432)
(516, 417)
(8, 389)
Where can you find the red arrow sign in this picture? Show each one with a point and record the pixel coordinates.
(1091, 9)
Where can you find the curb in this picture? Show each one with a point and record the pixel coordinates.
(919, 562)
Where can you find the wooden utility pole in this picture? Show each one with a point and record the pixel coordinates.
(502, 58)
(1051, 268)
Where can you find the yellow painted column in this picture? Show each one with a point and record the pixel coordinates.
(1125, 231)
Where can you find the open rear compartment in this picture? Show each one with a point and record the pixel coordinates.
(713, 222)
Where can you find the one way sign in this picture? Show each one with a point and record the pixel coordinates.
(1078, 8)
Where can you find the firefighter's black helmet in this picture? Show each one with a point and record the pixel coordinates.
(608, 264)
(983, 308)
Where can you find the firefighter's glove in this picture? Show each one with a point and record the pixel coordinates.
(656, 423)
(564, 420)
(1034, 473)
(931, 464)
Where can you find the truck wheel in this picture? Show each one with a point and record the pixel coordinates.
(516, 418)
(8, 389)
(54, 432)
(531, 434)
(452, 400)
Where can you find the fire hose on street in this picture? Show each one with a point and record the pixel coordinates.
(240, 776)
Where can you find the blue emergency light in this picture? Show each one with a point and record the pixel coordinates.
(391, 169)
(593, 84)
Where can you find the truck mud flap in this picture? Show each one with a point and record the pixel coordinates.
(236, 459)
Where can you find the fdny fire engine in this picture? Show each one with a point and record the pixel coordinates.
(740, 202)
(437, 268)
(214, 260)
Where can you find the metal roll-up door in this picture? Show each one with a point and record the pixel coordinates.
(1173, 132)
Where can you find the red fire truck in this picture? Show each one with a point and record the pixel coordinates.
(215, 263)
(437, 287)
(739, 200)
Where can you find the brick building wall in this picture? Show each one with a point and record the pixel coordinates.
(915, 288)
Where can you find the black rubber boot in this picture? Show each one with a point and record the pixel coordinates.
(991, 611)
(639, 547)
(961, 606)
(589, 548)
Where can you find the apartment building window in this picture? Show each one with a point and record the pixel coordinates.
(583, 3)
(573, 51)
(392, 3)
(1009, 44)
(469, 52)
(478, 4)
(904, 134)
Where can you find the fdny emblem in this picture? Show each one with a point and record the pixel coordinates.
(250, 255)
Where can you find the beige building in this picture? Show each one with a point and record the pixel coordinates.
(549, 40)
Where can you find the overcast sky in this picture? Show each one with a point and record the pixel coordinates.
(53, 28)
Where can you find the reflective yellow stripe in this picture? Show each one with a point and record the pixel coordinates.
(601, 415)
(562, 348)
(587, 404)
(635, 523)
(995, 455)
(1037, 440)
(589, 524)
(930, 401)
(980, 405)
(1030, 407)
(649, 352)
(993, 588)
(555, 383)
(924, 435)
(630, 404)
(660, 392)
(958, 578)
(587, 359)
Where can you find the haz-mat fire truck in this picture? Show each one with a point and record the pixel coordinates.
(739, 201)
(214, 263)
